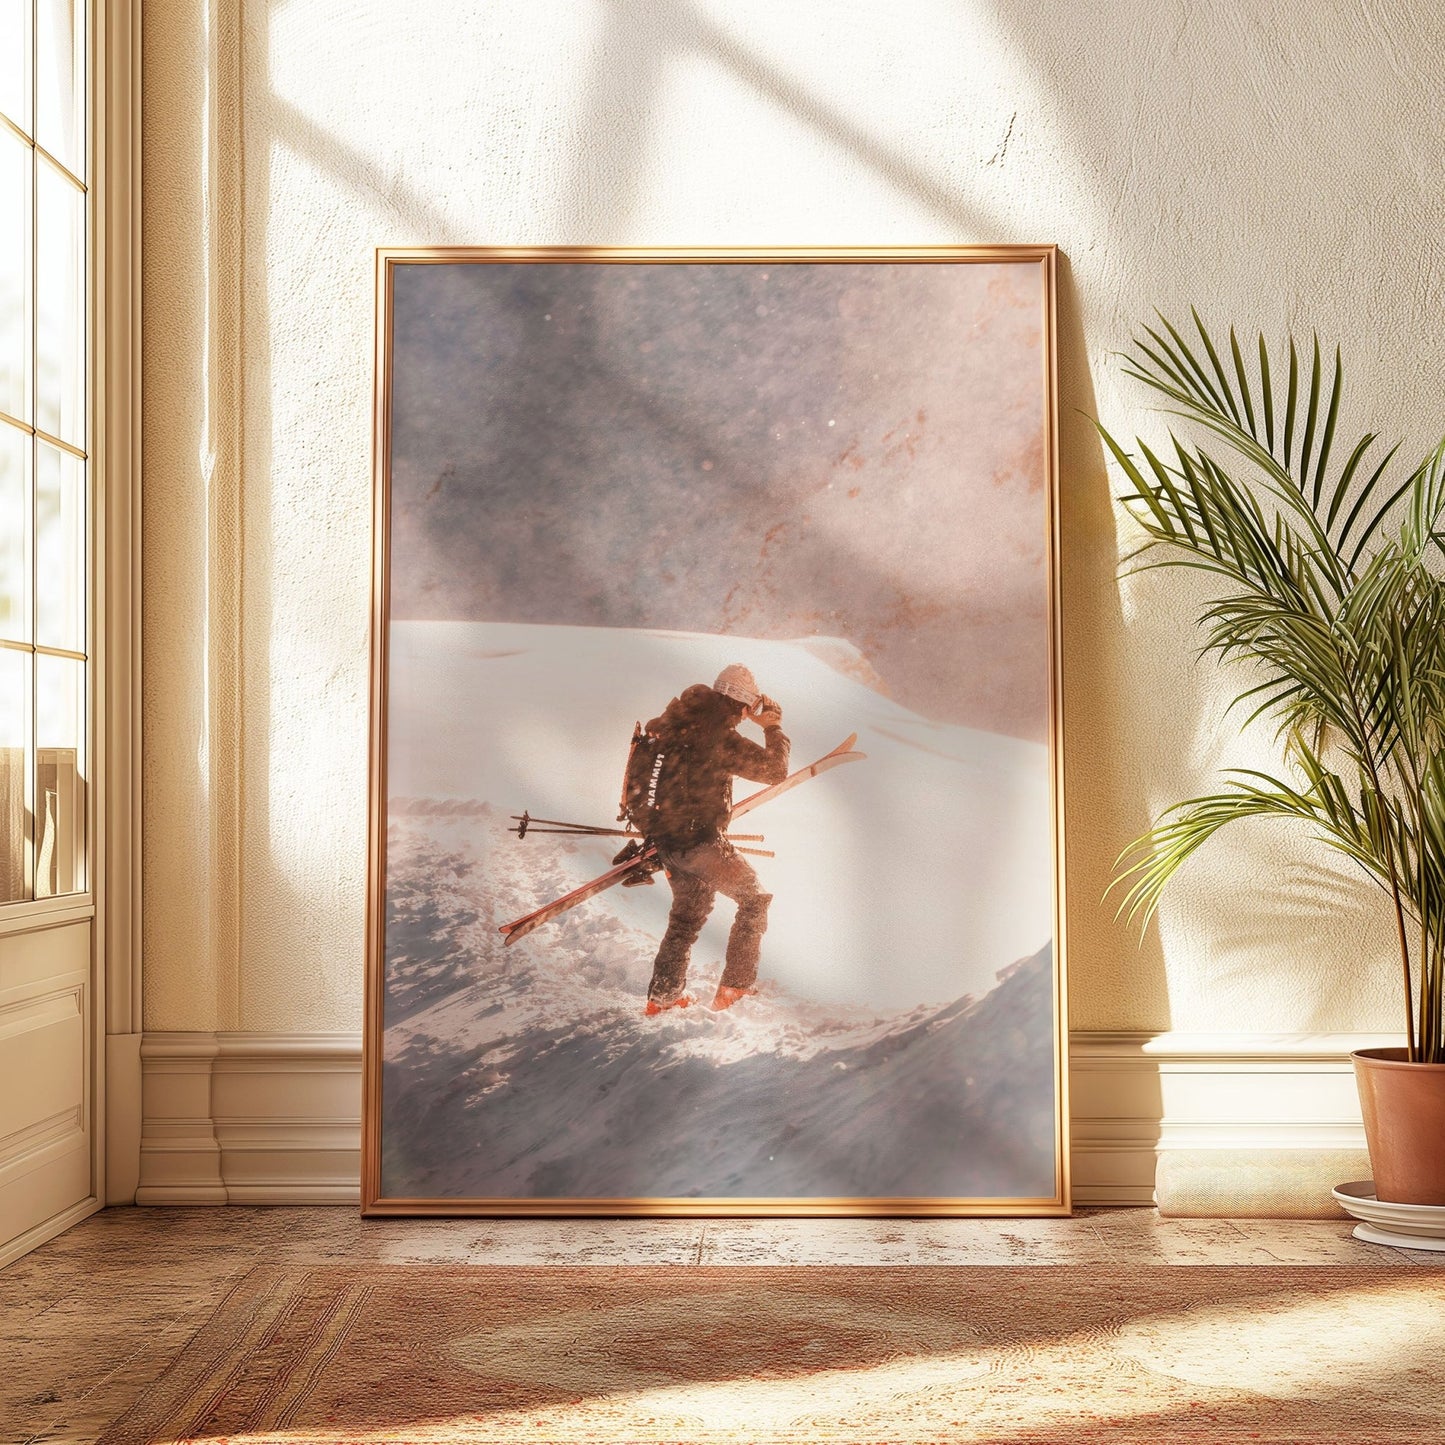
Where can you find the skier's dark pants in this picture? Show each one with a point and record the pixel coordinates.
(698, 873)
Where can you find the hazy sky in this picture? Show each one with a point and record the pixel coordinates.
(777, 450)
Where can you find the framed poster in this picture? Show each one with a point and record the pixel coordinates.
(716, 864)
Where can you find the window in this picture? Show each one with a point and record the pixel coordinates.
(45, 223)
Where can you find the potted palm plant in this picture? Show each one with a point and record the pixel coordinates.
(1327, 562)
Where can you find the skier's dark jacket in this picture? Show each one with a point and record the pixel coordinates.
(701, 799)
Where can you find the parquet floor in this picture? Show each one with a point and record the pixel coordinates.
(90, 1319)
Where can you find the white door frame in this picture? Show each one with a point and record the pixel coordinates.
(117, 851)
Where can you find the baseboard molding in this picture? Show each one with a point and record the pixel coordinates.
(1234, 1124)
(250, 1118)
(44, 1232)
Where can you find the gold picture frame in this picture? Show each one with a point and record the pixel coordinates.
(460, 332)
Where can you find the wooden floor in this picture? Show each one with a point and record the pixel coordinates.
(89, 1320)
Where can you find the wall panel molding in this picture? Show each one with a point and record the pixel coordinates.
(1241, 1124)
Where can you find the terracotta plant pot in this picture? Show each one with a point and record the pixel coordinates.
(1404, 1109)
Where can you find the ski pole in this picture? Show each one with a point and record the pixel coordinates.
(526, 820)
(530, 830)
(523, 830)
(528, 825)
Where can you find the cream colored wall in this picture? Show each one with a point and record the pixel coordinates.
(1276, 164)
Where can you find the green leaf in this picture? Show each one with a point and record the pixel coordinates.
(1322, 465)
(1243, 379)
(1366, 493)
(1224, 387)
(1311, 414)
(1290, 402)
(1267, 397)
(1342, 486)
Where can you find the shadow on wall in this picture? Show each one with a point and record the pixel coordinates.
(640, 43)
(595, 201)
(1263, 927)
(1135, 702)
(1111, 971)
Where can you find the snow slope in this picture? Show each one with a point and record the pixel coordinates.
(905, 879)
(515, 1077)
(939, 1107)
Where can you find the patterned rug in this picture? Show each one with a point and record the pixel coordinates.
(416, 1355)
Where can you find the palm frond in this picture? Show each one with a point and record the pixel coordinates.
(1144, 868)
(1232, 404)
(1426, 505)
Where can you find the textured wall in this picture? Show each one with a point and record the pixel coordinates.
(1278, 165)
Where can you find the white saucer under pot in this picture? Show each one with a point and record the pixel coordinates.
(1405, 1226)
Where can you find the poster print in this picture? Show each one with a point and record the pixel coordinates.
(715, 860)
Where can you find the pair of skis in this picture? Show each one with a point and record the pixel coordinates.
(646, 857)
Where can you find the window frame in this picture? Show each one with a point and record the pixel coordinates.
(111, 903)
(36, 909)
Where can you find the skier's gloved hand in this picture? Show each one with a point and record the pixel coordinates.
(767, 714)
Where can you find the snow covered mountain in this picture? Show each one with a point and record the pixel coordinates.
(895, 1050)
(508, 1077)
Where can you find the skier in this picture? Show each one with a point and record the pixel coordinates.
(700, 729)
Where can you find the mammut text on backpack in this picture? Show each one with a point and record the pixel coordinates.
(658, 786)
(652, 764)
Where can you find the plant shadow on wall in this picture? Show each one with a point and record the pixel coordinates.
(1326, 586)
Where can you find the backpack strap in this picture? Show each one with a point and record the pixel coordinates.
(637, 736)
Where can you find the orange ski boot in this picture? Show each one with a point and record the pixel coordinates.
(657, 1006)
(726, 997)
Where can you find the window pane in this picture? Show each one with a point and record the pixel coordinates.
(60, 81)
(59, 776)
(15, 55)
(15, 172)
(14, 534)
(14, 718)
(59, 306)
(59, 549)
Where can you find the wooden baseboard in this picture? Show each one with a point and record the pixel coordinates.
(249, 1118)
(1216, 1124)
(43, 1233)
(1224, 1124)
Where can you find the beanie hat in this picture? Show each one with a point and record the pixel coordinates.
(736, 682)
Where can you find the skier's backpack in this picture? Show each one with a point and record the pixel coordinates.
(652, 785)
